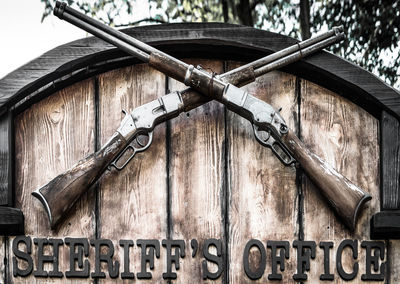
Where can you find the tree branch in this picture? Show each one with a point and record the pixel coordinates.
(152, 20)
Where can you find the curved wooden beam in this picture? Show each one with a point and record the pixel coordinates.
(84, 58)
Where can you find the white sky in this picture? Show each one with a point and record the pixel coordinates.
(24, 37)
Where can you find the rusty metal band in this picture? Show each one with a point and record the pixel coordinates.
(188, 75)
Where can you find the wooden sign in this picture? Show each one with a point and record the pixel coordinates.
(206, 202)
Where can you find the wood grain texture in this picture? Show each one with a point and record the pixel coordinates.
(50, 137)
(133, 201)
(394, 261)
(344, 197)
(212, 167)
(262, 202)
(5, 156)
(196, 172)
(61, 193)
(2, 258)
(346, 137)
(11, 221)
(390, 161)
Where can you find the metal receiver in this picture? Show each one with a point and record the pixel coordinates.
(141, 122)
(268, 124)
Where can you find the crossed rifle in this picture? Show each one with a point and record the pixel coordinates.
(135, 132)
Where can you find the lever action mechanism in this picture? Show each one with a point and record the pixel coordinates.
(137, 127)
(268, 124)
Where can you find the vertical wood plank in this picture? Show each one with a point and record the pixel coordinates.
(346, 137)
(5, 156)
(50, 137)
(394, 261)
(263, 201)
(390, 160)
(196, 172)
(2, 260)
(133, 201)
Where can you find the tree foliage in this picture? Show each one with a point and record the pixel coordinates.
(372, 26)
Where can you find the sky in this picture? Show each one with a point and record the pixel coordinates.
(24, 37)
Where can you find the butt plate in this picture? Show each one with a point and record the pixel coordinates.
(367, 197)
(46, 206)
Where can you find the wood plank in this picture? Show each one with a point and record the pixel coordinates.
(394, 261)
(262, 192)
(196, 171)
(50, 137)
(2, 263)
(345, 136)
(133, 201)
(11, 221)
(5, 162)
(390, 160)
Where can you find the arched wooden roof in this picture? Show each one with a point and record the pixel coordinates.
(86, 57)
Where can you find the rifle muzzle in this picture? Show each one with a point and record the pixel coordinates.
(59, 9)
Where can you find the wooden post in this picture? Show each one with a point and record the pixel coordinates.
(386, 224)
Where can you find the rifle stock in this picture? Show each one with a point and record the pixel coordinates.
(343, 196)
(60, 194)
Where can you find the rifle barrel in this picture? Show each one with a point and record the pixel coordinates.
(335, 32)
(286, 60)
(62, 9)
(142, 50)
(106, 37)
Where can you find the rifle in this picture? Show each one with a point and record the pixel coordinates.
(59, 195)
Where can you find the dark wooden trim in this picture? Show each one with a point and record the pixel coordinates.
(11, 221)
(385, 225)
(390, 162)
(6, 159)
(87, 57)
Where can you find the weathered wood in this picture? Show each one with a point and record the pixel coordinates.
(51, 136)
(345, 136)
(196, 173)
(262, 194)
(91, 56)
(208, 174)
(385, 225)
(394, 261)
(390, 162)
(132, 202)
(6, 174)
(61, 193)
(2, 263)
(11, 221)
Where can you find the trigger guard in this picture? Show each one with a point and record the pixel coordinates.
(260, 140)
(145, 146)
(270, 142)
(135, 150)
(139, 142)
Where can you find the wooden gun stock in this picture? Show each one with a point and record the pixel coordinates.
(345, 198)
(60, 194)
